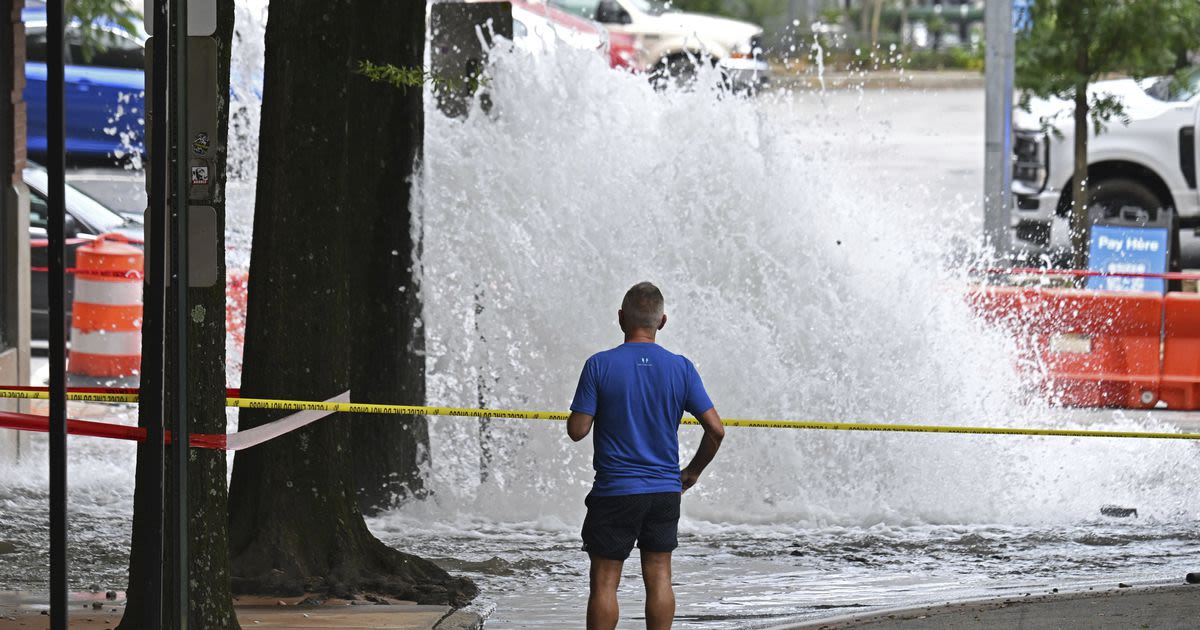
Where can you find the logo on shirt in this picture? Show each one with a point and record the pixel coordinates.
(644, 362)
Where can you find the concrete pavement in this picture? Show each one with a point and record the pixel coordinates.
(93, 611)
(1151, 607)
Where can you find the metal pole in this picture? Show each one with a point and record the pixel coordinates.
(56, 224)
(997, 169)
(179, 260)
(153, 372)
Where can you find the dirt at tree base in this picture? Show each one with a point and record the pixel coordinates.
(385, 574)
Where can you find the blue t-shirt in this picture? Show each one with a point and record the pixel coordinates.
(637, 393)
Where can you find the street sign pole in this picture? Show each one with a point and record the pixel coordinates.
(153, 383)
(56, 284)
(997, 169)
(179, 272)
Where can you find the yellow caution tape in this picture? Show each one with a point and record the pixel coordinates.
(417, 410)
(76, 396)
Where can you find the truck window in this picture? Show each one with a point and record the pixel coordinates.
(35, 45)
(1177, 89)
(39, 210)
(113, 50)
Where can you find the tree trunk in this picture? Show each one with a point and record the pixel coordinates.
(864, 20)
(386, 128)
(210, 603)
(1079, 181)
(876, 12)
(295, 526)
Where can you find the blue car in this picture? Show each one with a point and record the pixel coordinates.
(105, 94)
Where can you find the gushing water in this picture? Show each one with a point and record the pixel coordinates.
(800, 289)
(804, 287)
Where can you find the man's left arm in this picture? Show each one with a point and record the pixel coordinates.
(578, 425)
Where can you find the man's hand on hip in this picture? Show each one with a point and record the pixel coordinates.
(714, 432)
(688, 478)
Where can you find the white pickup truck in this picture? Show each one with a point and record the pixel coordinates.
(1147, 161)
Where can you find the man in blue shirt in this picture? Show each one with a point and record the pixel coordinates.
(635, 395)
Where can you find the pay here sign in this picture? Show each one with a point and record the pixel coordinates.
(1128, 250)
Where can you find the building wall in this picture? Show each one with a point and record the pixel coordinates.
(14, 223)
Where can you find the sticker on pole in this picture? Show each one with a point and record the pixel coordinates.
(1117, 249)
(201, 17)
(201, 143)
(199, 175)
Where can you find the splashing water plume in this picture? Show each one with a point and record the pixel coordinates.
(799, 290)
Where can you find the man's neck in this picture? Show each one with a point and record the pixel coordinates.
(640, 335)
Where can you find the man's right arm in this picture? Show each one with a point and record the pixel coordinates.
(583, 406)
(714, 432)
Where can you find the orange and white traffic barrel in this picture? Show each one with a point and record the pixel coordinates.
(106, 320)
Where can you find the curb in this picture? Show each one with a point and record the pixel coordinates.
(459, 620)
(882, 80)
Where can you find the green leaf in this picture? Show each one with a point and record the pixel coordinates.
(95, 17)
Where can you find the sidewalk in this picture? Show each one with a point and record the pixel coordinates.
(1154, 607)
(93, 611)
(881, 79)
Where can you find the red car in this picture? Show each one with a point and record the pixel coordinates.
(540, 26)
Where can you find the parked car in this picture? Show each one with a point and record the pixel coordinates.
(105, 92)
(671, 43)
(86, 219)
(539, 27)
(1145, 163)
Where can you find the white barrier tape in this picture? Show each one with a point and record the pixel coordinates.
(271, 430)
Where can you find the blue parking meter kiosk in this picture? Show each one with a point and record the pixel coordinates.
(1131, 240)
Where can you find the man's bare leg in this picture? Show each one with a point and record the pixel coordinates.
(660, 597)
(602, 612)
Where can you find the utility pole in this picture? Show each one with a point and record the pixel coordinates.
(55, 232)
(182, 251)
(997, 166)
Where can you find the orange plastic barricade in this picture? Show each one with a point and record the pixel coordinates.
(1181, 351)
(106, 319)
(1086, 348)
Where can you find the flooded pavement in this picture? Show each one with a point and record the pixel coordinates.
(743, 577)
(727, 574)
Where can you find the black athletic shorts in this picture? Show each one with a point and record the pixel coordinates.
(614, 523)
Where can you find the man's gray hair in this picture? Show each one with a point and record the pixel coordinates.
(643, 306)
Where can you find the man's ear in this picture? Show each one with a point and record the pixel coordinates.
(621, 319)
(663, 322)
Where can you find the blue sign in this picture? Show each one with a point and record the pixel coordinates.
(1128, 250)
(1022, 15)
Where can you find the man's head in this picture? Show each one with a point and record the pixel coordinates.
(642, 309)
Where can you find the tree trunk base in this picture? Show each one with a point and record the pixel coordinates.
(378, 570)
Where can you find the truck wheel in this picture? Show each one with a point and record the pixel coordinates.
(1115, 194)
(678, 70)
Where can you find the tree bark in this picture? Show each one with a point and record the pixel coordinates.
(295, 525)
(1079, 181)
(210, 603)
(387, 129)
(876, 12)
